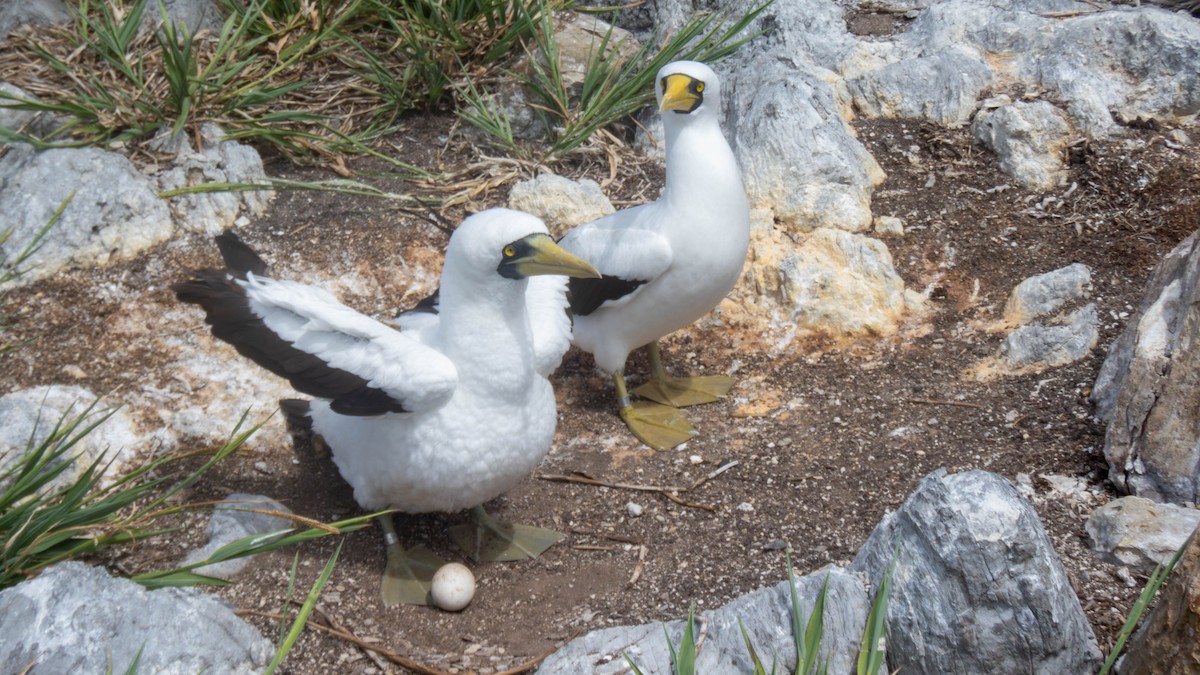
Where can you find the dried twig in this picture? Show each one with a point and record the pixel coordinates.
(641, 565)
(671, 493)
(931, 401)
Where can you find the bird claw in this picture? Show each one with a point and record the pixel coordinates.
(681, 392)
(661, 427)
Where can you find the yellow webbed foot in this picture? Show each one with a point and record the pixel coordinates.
(661, 427)
(486, 539)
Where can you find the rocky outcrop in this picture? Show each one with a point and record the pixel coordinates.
(1148, 389)
(977, 587)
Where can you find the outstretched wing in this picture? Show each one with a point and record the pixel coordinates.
(627, 255)
(322, 347)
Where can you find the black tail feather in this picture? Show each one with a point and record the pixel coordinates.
(295, 411)
(238, 256)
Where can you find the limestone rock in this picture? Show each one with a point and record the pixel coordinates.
(561, 202)
(115, 214)
(1029, 138)
(37, 124)
(1166, 643)
(977, 587)
(1035, 347)
(233, 519)
(1043, 337)
(1148, 387)
(943, 87)
(798, 157)
(1045, 294)
(766, 615)
(217, 161)
(1139, 533)
(74, 618)
(193, 15)
(17, 13)
(844, 284)
(31, 415)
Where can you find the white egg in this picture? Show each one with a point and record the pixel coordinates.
(453, 587)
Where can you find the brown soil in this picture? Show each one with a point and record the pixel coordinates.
(826, 438)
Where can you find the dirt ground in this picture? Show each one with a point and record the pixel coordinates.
(824, 437)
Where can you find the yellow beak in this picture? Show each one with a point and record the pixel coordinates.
(542, 256)
(679, 93)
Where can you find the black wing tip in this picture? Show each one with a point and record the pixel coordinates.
(238, 255)
(587, 295)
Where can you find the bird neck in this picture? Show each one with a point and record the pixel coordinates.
(485, 327)
(701, 169)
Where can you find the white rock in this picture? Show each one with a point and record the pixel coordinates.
(30, 415)
(561, 202)
(634, 509)
(1030, 139)
(1044, 294)
(115, 213)
(1140, 533)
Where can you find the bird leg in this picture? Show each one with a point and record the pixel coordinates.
(486, 539)
(681, 391)
(409, 574)
(661, 427)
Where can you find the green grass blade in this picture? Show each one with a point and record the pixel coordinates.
(1153, 584)
(302, 617)
(758, 666)
(873, 648)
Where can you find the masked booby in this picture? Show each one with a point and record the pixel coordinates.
(442, 417)
(667, 263)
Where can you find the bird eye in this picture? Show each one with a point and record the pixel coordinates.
(699, 87)
(510, 251)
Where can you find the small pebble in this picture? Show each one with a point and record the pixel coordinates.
(696, 459)
(634, 509)
(745, 506)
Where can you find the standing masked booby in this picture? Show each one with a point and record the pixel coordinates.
(667, 263)
(442, 418)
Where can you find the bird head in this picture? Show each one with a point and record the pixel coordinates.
(515, 244)
(683, 88)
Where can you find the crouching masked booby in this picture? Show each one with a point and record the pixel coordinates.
(443, 418)
(667, 263)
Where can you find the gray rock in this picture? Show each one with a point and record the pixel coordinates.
(561, 202)
(17, 13)
(231, 520)
(217, 161)
(1147, 388)
(1029, 138)
(74, 618)
(977, 587)
(798, 157)
(31, 415)
(1044, 294)
(193, 15)
(37, 124)
(115, 214)
(1038, 347)
(1139, 533)
(943, 87)
(1123, 64)
(766, 614)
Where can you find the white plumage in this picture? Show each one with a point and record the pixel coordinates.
(667, 263)
(478, 412)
